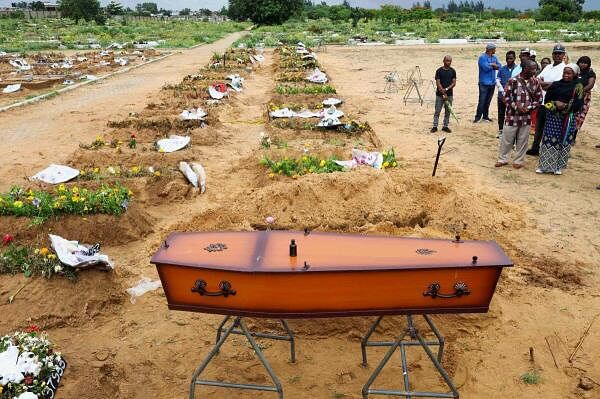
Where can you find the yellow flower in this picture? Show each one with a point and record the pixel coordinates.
(135, 169)
(386, 164)
(305, 158)
(30, 198)
(161, 150)
(62, 198)
(18, 204)
(271, 175)
(56, 205)
(157, 173)
(82, 173)
(394, 164)
(99, 138)
(75, 190)
(51, 256)
(61, 187)
(74, 198)
(311, 170)
(280, 172)
(322, 163)
(30, 192)
(44, 251)
(294, 176)
(96, 170)
(130, 193)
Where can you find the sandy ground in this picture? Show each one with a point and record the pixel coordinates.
(547, 224)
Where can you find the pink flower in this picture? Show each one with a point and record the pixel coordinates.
(270, 220)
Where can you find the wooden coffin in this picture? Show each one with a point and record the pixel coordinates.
(253, 274)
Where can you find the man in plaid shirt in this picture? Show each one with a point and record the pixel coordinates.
(522, 95)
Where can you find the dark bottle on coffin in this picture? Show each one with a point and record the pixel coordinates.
(293, 249)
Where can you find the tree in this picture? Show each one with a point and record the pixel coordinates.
(560, 10)
(114, 8)
(37, 6)
(164, 12)
(185, 11)
(146, 8)
(20, 4)
(265, 12)
(82, 9)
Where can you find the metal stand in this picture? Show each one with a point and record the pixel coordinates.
(239, 327)
(414, 339)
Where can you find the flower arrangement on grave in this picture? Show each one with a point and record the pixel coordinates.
(389, 159)
(94, 145)
(32, 261)
(31, 367)
(297, 167)
(41, 205)
(265, 140)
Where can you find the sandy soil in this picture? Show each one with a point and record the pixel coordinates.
(547, 224)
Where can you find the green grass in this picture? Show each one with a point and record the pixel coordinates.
(18, 35)
(531, 378)
(326, 31)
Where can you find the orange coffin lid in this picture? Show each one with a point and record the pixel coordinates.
(268, 251)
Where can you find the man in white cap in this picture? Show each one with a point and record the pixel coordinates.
(488, 67)
(551, 73)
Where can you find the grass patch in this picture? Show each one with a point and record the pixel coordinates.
(531, 378)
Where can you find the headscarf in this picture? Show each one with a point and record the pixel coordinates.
(574, 68)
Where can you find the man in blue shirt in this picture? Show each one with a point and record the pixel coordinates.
(488, 67)
(504, 73)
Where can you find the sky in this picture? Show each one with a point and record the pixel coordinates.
(217, 4)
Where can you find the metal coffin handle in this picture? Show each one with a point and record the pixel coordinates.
(460, 289)
(224, 289)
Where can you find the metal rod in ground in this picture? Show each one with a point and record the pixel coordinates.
(441, 142)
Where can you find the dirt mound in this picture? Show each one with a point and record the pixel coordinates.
(549, 272)
(394, 202)
(106, 229)
(60, 302)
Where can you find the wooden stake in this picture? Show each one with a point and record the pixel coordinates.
(531, 354)
(583, 337)
(552, 353)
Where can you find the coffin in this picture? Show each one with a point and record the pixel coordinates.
(332, 275)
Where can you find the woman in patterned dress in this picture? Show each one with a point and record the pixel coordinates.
(564, 99)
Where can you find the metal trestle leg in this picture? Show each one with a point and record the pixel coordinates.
(414, 339)
(239, 327)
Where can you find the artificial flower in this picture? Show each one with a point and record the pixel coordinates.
(7, 239)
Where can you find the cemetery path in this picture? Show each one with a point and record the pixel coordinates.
(47, 132)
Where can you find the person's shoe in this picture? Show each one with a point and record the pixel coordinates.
(446, 129)
(558, 172)
(538, 170)
(476, 120)
(489, 120)
(433, 129)
(499, 135)
(500, 164)
(532, 152)
(517, 165)
(597, 145)
(598, 187)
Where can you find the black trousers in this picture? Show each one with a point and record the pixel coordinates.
(539, 128)
(501, 113)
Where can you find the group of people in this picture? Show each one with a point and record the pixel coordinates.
(553, 96)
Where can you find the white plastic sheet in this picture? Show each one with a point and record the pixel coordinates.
(329, 122)
(12, 88)
(361, 157)
(173, 143)
(259, 58)
(9, 372)
(237, 82)
(317, 76)
(20, 64)
(288, 113)
(55, 174)
(216, 94)
(73, 254)
(331, 112)
(195, 174)
(143, 286)
(332, 101)
(193, 115)
(121, 61)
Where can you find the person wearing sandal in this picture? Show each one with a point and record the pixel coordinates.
(522, 95)
(564, 99)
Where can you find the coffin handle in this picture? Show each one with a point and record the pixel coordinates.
(460, 289)
(224, 289)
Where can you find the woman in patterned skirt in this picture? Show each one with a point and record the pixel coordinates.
(564, 99)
